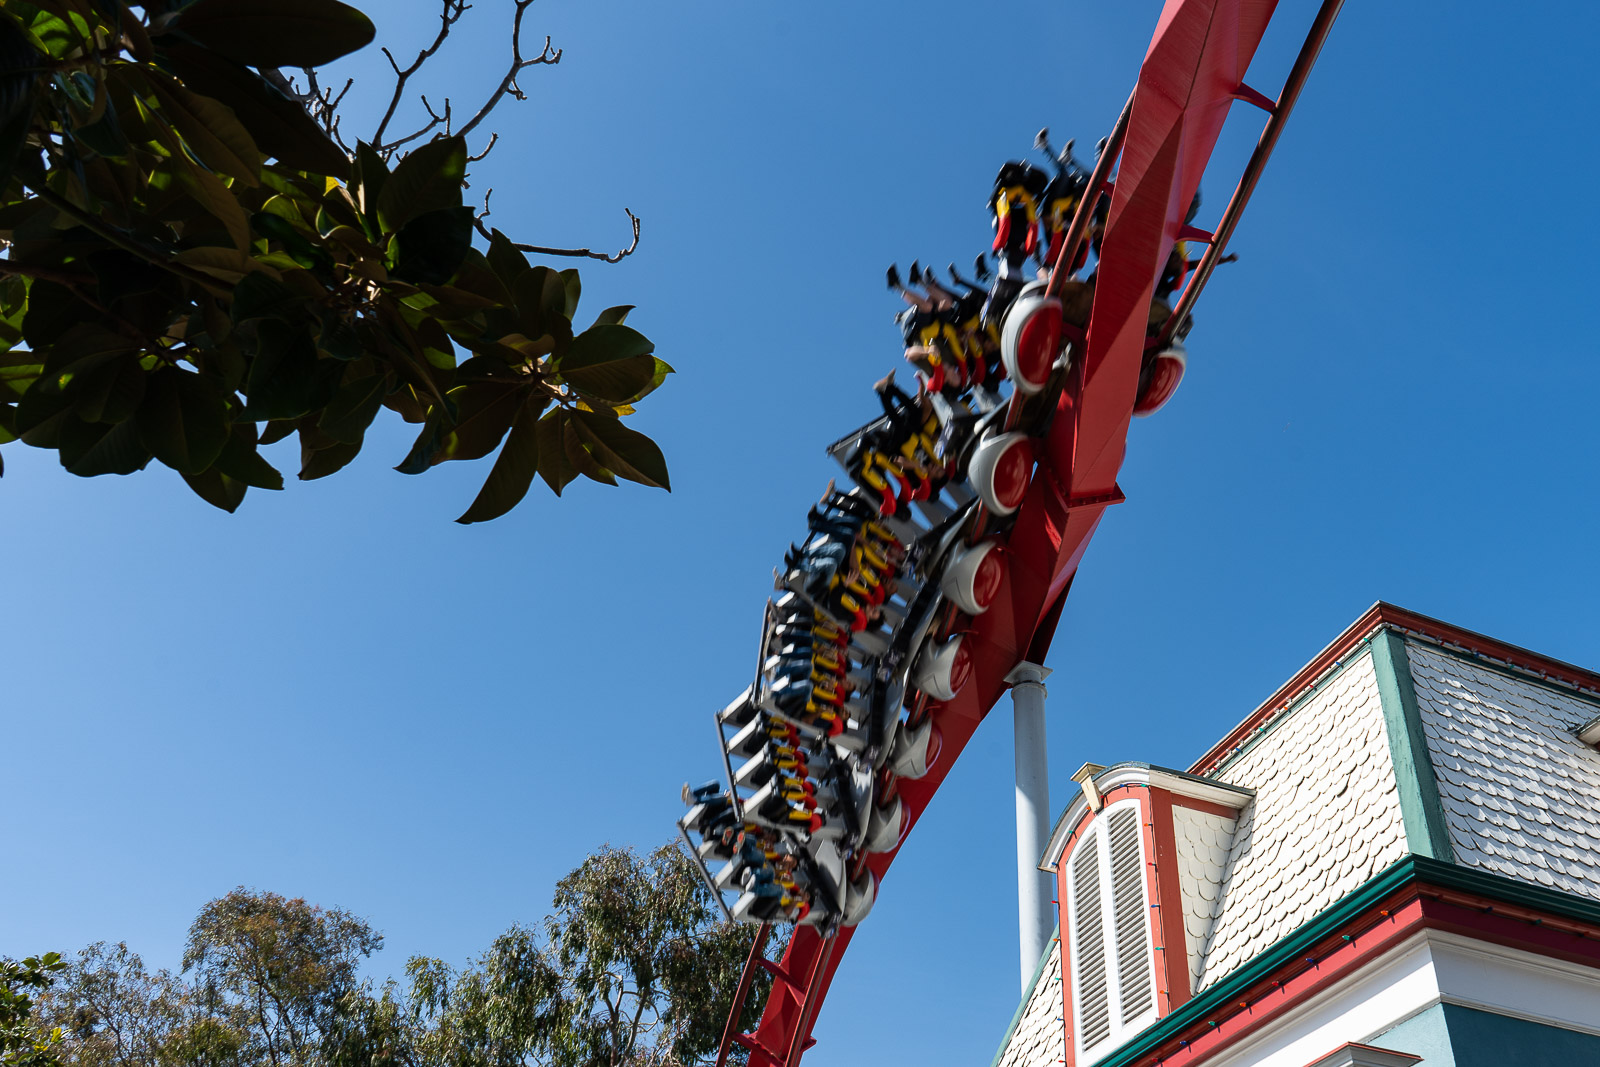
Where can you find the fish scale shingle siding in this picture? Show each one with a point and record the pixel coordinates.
(1520, 792)
(1326, 817)
(1202, 840)
(1039, 1039)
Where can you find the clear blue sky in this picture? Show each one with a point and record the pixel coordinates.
(340, 694)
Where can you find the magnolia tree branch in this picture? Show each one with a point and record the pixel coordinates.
(606, 257)
(322, 103)
(508, 84)
(449, 15)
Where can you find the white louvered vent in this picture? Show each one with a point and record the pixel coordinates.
(1089, 980)
(1112, 973)
(1133, 926)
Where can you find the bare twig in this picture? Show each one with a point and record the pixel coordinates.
(542, 250)
(493, 140)
(508, 84)
(448, 17)
(323, 105)
(435, 120)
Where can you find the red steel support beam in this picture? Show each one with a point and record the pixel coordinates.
(1191, 75)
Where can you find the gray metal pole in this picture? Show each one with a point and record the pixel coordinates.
(1035, 914)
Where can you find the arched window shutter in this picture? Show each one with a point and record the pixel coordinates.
(1090, 976)
(1133, 920)
(1113, 986)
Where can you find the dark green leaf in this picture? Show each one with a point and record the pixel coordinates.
(240, 460)
(217, 489)
(506, 259)
(541, 298)
(485, 412)
(14, 129)
(220, 202)
(286, 377)
(18, 372)
(657, 376)
(111, 393)
(479, 279)
(428, 179)
(627, 453)
(321, 462)
(368, 177)
(209, 128)
(353, 408)
(104, 137)
(89, 449)
(605, 344)
(555, 467)
(260, 296)
(80, 351)
(183, 420)
(277, 431)
(340, 339)
(574, 288)
(420, 458)
(41, 414)
(618, 382)
(279, 126)
(613, 316)
(53, 309)
(277, 33)
(436, 345)
(431, 247)
(513, 469)
(297, 244)
(582, 461)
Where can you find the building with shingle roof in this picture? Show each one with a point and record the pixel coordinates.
(1394, 860)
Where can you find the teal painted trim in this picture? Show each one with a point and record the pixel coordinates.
(1033, 984)
(1507, 890)
(1427, 832)
(1481, 1038)
(1350, 659)
(1289, 949)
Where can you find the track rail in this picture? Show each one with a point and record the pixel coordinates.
(1191, 75)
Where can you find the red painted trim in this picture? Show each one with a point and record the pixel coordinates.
(1108, 798)
(1163, 897)
(1514, 927)
(1066, 966)
(1336, 960)
(1376, 617)
(1166, 900)
(1121, 792)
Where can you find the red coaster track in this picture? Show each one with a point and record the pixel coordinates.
(1191, 76)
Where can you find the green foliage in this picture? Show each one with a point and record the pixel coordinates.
(194, 269)
(288, 964)
(634, 967)
(22, 1043)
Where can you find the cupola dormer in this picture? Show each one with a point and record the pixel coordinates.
(1139, 858)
